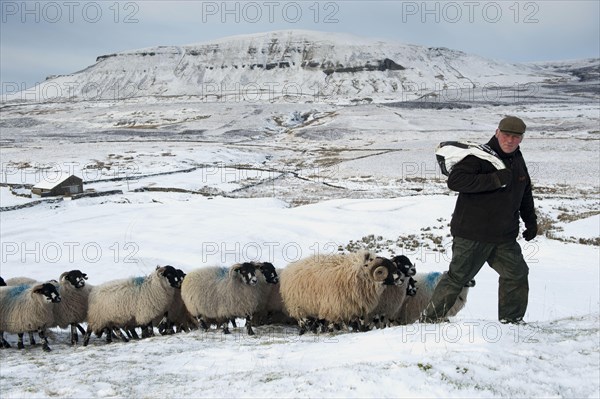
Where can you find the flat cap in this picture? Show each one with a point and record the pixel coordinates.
(512, 124)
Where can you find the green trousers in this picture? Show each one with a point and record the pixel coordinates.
(468, 258)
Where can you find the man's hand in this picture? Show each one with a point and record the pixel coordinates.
(504, 177)
(530, 232)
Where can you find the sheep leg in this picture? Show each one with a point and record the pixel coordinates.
(20, 343)
(332, 327)
(81, 330)
(74, 335)
(313, 325)
(323, 325)
(249, 325)
(86, 337)
(302, 324)
(202, 323)
(131, 333)
(45, 346)
(119, 334)
(356, 324)
(363, 325)
(147, 330)
(226, 327)
(5, 344)
(233, 323)
(109, 334)
(163, 326)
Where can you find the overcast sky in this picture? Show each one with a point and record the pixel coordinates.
(42, 38)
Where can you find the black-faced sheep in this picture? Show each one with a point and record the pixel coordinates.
(14, 281)
(177, 317)
(338, 289)
(220, 294)
(25, 308)
(130, 302)
(394, 295)
(72, 310)
(273, 311)
(413, 306)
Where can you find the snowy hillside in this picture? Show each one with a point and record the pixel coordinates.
(312, 66)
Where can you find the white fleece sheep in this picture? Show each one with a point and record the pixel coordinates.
(413, 306)
(130, 302)
(177, 315)
(338, 289)
(73, 307)
(25, 308)
(220, 294)
(20, 281)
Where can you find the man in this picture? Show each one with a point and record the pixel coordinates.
(485, 226)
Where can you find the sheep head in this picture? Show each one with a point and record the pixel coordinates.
(75, 277)
(171, 274)
(246, 271)
(404, 265)
(2, 282)
(49, 292)
(384, 271)
(268, 270)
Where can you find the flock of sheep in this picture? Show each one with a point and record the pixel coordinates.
(355, 291)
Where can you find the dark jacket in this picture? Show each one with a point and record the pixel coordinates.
(484, 211)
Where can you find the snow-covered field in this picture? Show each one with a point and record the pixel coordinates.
(217, 183)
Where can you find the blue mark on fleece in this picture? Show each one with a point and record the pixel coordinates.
(432, 279)
(16, 291)
(222, 273)
(137, 281)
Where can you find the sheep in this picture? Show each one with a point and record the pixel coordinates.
(20, 281)
(220, 294)
(2, 282)
(72, 310)
(130, 302)
(14, 281)
(411, 310)
(177, 314)
(394, 295)
(273, 311)
(339, 289)
(26, 308)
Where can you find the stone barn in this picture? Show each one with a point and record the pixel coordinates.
(66, 187)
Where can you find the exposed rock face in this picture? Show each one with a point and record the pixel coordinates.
(278, 65)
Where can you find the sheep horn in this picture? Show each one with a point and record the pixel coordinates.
(379, 272)
(235, 268)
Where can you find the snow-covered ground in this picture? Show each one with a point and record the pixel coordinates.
(555, 355)
(216, 183)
